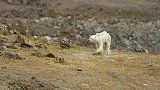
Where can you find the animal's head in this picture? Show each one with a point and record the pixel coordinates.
(92, 38)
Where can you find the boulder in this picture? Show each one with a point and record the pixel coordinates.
(12, 55)
(50, 55)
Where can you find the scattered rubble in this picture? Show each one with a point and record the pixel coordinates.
(12, 56)
(11, 45)
(65, 43)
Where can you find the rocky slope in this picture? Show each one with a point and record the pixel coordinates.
(133, 25)
(41, 63)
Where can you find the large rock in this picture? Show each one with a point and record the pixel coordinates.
(22, 42)
(12, 56)
(50, 55)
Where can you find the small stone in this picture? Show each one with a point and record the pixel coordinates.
(4, 67)
(55, 39)
(145, 85)
(48, 38)
(59, 60)
(25, 45)
(37, 54)
(50, 55)
(41, 46)
(13, 31)
(33, 78)
(36, 37)
(1, 53)
(64, 45)
(79, 70)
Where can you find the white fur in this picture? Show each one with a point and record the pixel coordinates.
(102, 41)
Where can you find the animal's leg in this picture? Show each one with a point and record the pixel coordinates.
(105, 47)
(100, 49)
(108, 47)
(97, 45)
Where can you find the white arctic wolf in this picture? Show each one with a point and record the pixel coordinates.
(102, 41)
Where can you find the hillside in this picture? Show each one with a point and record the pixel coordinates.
(30, 60)
(134, 25)
(80, 69)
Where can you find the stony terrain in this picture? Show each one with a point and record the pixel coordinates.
(133, 25)
(44, 45)
(43, 65)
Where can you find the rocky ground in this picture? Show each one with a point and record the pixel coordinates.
(28, 63)
(133, 25)
(44, 45)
